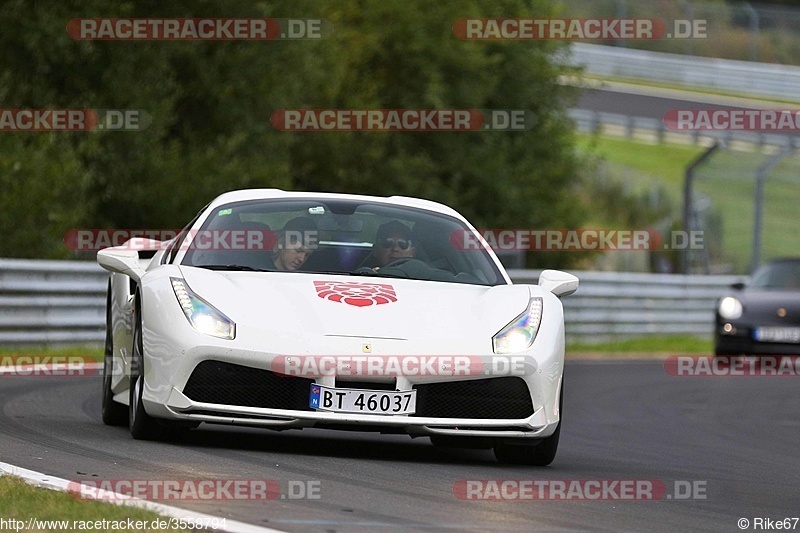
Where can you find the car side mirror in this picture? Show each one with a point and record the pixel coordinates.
(558, 282)
(739, 285)
(121, 260)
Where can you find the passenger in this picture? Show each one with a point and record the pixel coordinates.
(296, 242)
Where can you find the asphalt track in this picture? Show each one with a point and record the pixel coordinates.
(649, 102)
(736, 436)
(639, 105)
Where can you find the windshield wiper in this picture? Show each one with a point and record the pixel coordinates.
(336, 272)
(363, 271)
(232, 267)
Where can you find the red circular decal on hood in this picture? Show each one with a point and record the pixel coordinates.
(355, 293)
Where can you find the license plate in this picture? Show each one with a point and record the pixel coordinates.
(777, 335)
(363, 401)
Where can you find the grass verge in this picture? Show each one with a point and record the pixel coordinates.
(21, 501)
(86, 353)
(654, 163)
(655, 346)
(725, 182)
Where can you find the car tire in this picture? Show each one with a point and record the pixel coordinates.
(113, 413)
(540, 453)
(141, 425)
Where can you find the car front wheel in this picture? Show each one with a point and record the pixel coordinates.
(539, 453)
(142, 425)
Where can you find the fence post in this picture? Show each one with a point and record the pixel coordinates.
(688, 46)
(755, 32)
(761, 178)
(622, 12)
(687, 201)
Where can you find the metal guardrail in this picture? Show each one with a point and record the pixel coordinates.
(757, 79)
(51, 302)
(63, 302)
(623, 304)
(588, 120)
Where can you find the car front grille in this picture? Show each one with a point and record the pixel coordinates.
(497, 398)
(229, 384)
(364, 385)
(216, 382)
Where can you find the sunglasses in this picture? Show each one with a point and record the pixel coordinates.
(401, 243)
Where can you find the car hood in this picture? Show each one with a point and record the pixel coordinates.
(332, 306)
(765, 303)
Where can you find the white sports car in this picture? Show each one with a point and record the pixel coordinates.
(293, 310)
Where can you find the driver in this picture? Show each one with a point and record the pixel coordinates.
(392, 242)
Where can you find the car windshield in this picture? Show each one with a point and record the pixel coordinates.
(780, 275)
(335, 236)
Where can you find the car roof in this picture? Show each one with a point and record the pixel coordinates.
(266, 194)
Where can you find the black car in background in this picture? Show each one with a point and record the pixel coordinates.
(762, 316)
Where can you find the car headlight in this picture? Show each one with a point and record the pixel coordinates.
(519, 334)
(202, 315)
(730, 308)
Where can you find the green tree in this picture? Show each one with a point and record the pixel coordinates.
(211, 102)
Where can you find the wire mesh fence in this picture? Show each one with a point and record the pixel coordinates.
(725, 208)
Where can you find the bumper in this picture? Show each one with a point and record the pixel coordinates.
(180, 407)
(727, 346)
(741, 342)
(173, 391)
